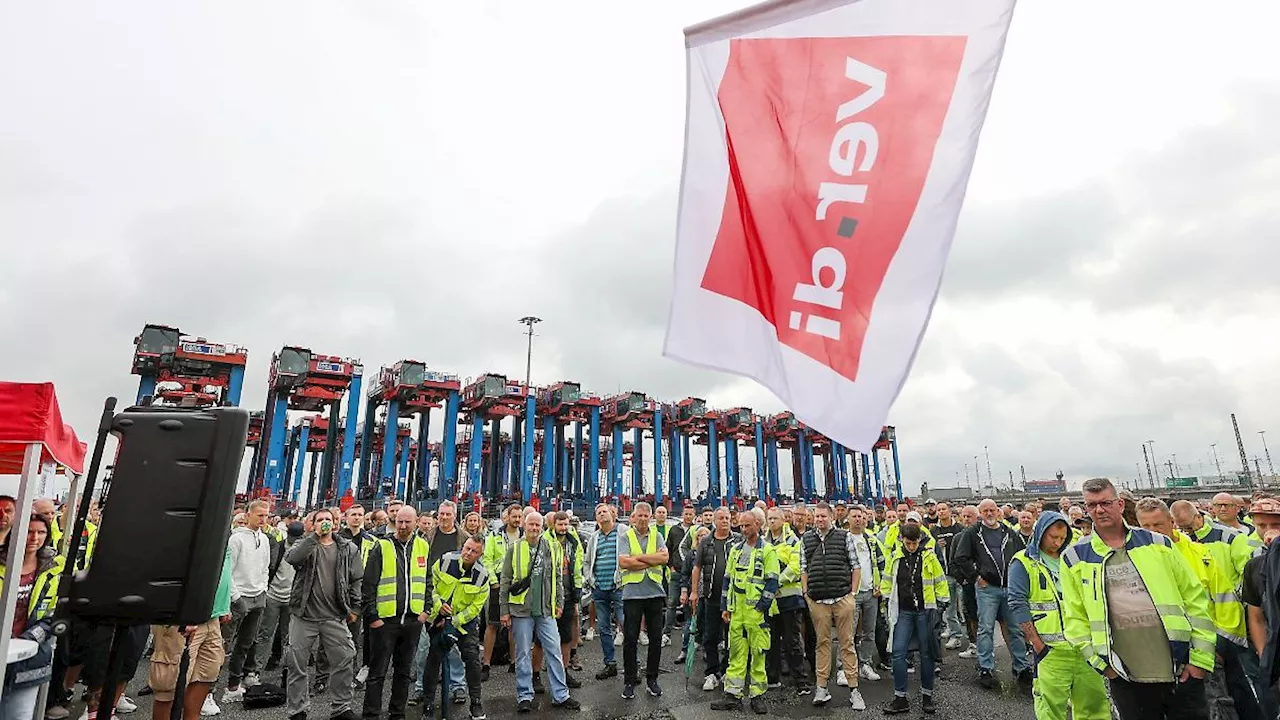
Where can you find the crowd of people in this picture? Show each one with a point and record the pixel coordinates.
(1108, 604)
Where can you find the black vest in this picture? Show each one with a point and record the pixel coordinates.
(827, 563)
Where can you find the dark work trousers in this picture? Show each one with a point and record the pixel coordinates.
(882, 635)
(240, 634)
(810, 641)
(469, 648)
(359, 639)
(713, 631)
(391, 645)
(785, 630)
(633, 611)
(1159, 701)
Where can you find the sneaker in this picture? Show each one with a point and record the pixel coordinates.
(821, 697)
(855, 700)
(208, 709)
(802, 690)
(926, 704)
(477, 711)
(484, 673)
(126, 705)
(986, 679)
(710, 683)
(680, 658)
(644, 639)
(591, 634)
(868, 673)
(251, 679)
(459, 696)
(666, 640)
(897, 705)
(363, 674)
(524, 706)
(757, 706)
(953, 644)
(56, 712)
(572, 682)
(609, 671)
(628, 692)
(567, 704)
(911, 669)
(841, 679)
(415, 699)
(617, 639)
(728, 702)
(968, 654)
(775, 685)
(231, 696)
(654, 690)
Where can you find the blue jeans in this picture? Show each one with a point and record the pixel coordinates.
(909, 626)
(453, 663)
(952, 614)
(608, 619)
(993, 604)
(549, 638)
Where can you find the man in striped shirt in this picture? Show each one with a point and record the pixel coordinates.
(601, 573)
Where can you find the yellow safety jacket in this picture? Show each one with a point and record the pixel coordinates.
(751, 577)
(653, 573)
(417, 577)
(466, 590)
(787, 549)
(1230, 550)
(521, 565)
(44, 594)
(1178, 596)
(495, 551)
(1044, 600)
(933, 582)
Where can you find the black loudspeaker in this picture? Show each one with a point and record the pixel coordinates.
(160, 548)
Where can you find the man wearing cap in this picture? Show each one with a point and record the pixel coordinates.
(930, 512)
(842, 515)
(910, 517)
(1260, 587)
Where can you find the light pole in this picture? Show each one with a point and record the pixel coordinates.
(529, 321)
(988, 454)
(1176, 469)
(1154, 461)
(977, 474)
(1214, 448)
(1271, 469)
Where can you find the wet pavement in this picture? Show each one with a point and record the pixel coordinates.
(957, 693)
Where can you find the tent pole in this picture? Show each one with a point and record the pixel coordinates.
(18, 541)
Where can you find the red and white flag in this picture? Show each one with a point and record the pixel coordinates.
(828, 145)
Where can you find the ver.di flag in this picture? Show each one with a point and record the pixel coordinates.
(828, 146)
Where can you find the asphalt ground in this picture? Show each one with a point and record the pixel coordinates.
(956, 691)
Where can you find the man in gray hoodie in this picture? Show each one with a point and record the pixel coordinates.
(250, 567)
(531, 597)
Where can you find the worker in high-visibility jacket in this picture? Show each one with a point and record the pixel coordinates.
(1230, 685)
(394, 609)
(914, 610)
(495, 551)
(751, 582)
(786, 621)
(1135, 610)
(889, 537)
(38, 559)
(460, 590)
(1035, 602)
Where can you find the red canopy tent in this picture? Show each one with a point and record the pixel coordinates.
(29, 415)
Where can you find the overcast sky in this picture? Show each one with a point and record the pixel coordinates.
(405, 179)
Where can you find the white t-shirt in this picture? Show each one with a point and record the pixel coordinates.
(864, 561)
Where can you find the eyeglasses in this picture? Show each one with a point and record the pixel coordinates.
(1097, 504)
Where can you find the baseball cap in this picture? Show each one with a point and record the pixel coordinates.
(930, 501)
(841, 503)
(913, 515)
(1265, 506)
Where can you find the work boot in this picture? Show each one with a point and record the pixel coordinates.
(728, 702)
(986, 679)
(926, 704)
(477, 710)
(609, 671)
(898, 705)
(757, 706)
(572, 682)
(567, 704)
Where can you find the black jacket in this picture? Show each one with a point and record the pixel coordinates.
(972, 559)
(349, 573)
